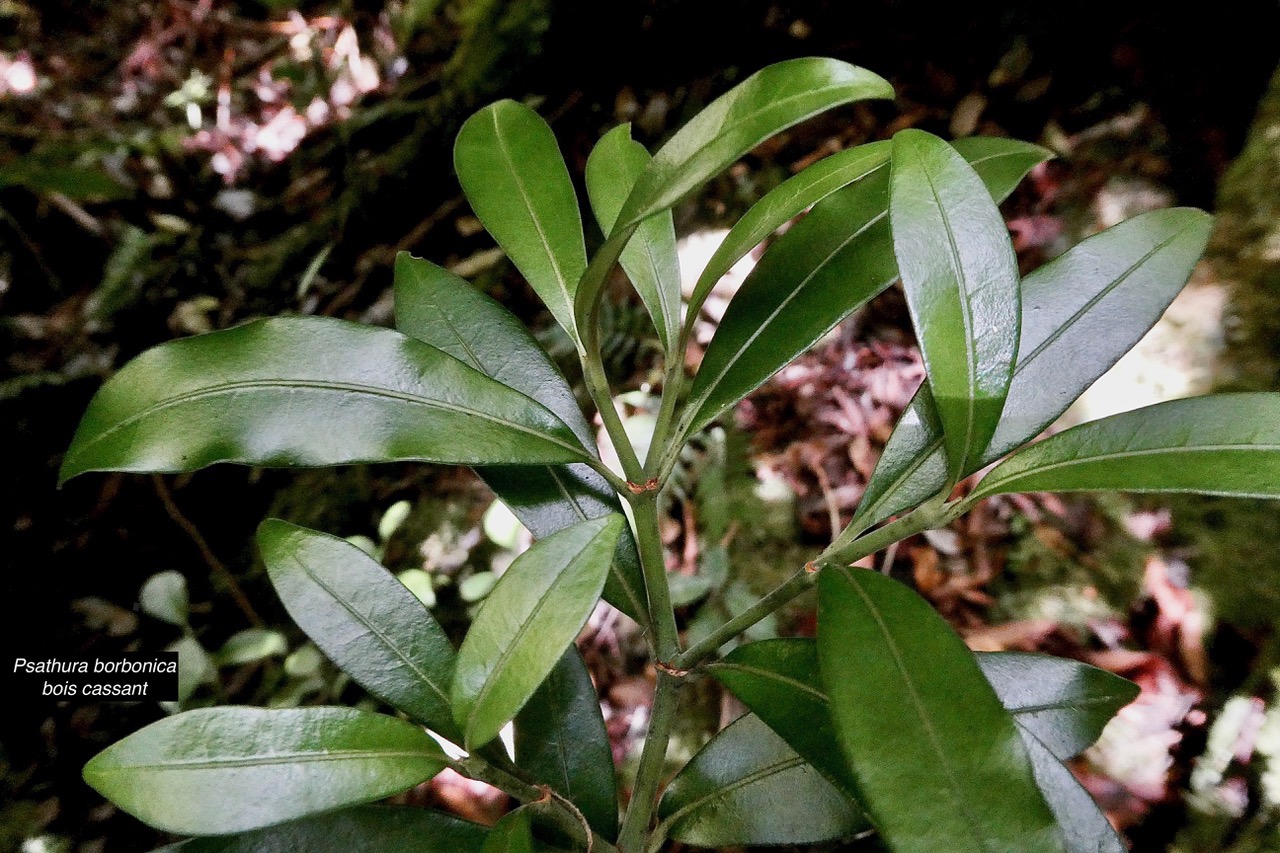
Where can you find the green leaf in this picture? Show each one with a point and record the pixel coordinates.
(223, 770)
(1002, 163)
(517, 183)
(780, 682)
(251, 645)
(747, 787)
(560, 739)
(825, 267)
(363, 619)
(164, 597)
(1085, 827)
(939, 763)
(512, 834)
(1063, 703)
(961, 281)
(526, 624)
(439, 308)
(1080, 314)
(308, 391)
(782, 204)
(766, 103)
(1225, 444)
(650, 256)
(363, 829)
(76, 182)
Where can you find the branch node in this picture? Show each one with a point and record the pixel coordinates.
(650, 485)
(673, 671)
(812, 567)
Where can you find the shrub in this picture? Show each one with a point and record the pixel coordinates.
(886, 723)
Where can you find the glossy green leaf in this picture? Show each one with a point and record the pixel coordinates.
(823, 269)
(747, 787)
(526, 624)
(308, 391)
(780, 682)
(512, 834)
(939, 763)
(1084, 826)
(365, 620)
(560, 739)
(1225, 444)
(961, 281)
(782, 204)
(363, 829)
(766, 103)
(223, 770)
(517, 183)
(1080, 314)
(1002, 163)
(1063, 703)
(439, 308)
(650, 256)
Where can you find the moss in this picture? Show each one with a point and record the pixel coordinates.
(1235, 544)
(1233, 547)
(1071, 577)
(1245, 251)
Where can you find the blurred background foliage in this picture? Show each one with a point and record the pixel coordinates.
(168, 167)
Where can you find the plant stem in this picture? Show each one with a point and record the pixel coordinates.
(631, 839)
(598, 386)
(644, 509)
(926, 517)
(667, 644)
(476, 767)
(618, 484)
(781, 594)
(672, 383)
(590, 291)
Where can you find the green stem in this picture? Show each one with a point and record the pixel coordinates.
(644, 510)
(653, 758)
(618, 484)
(555, 806)
(598, 386)
(781, 594)
(926, 517)
(587, 314)
(672, 383)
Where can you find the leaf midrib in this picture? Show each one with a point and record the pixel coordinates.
(966, 315)
(695, 406)
(723, 267)
(1084, 703)
(297, 757)
(1062, 328)
(917, 703)
(499, 666)
(772, 675)
(324, 387)
(697, 156)
(724, 791)
(1127, 454)
(373, 629)
(561, 280)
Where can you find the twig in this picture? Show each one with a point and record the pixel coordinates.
(211, 560)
